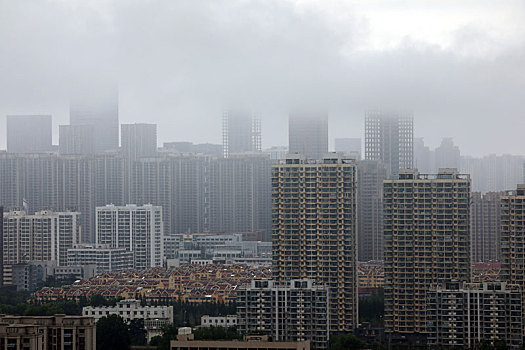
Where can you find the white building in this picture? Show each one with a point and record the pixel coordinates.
(155, 317)
(138, 229)
(44, 236)
(105, 259)
(219, 321)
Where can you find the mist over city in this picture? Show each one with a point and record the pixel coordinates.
(235, 174)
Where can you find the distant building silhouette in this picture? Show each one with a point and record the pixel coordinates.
(389, 138)
(485, 227)
(76, 139)
(29, 133)
(241, 132)
(97, 105)
(139, 140)
(308, 135)
(349, 146)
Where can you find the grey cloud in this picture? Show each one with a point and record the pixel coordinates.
(180, 62)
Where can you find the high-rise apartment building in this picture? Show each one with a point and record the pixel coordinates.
(349, 146)
(512, 237)
(308, 135)
(44, 236)
(426, 242)
(138, 229)
(139, 140)
(461, 315)
(493, 173)
(389, 138)
(241, 132)
(485, 226)
(97, 105)
(370, 177)
(295, 310)
(29, 133)
(76, 139)
(314, 229)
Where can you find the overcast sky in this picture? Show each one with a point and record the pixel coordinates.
(458, 64)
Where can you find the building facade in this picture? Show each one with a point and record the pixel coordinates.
(57, 332)
(308, 135)
(370, 177)
(76, 139)
(485, 226)
(293, 311)
(426, 242)
(462, 315)
(138, 229)
(44, 236)
(138, 140)
(105, 258)
(29, 134)
(314, 229)
(389, 138)
(241, 132)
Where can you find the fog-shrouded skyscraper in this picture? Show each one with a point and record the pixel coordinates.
(370, 177)
(349, 146)
(29, 133)
(241, 132)
(447, 155)
(308, 134)
(76, 139)
(314, 229)
(138, 229)
(97, 105)
(138, 140)
(485, 227)
(389, 137)
(426, 242)
(423, 157)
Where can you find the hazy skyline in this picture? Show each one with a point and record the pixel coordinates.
(459, 65)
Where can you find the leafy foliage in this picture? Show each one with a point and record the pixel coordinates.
(112, 333)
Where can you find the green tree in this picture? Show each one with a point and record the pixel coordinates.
(137, 332)
(169, 332)
(112, 333)
(347, 341)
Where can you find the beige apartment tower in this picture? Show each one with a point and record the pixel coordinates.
(426, 242)
(512, 237)
(314, 229)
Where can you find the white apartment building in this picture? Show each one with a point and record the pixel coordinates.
(43, 236)
(219, 321)
(138, 229)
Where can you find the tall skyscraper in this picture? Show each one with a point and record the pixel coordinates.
(44, 236)
(370, 177)
(426, 242)
(241, 132)
(97, 105)
(389, 137)
(447, 155)
(76, 139)
(349, 146)
(29, 133)
(139, 140)
(138, 229)
(308, 135)
(314, 229)
(485, 226)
